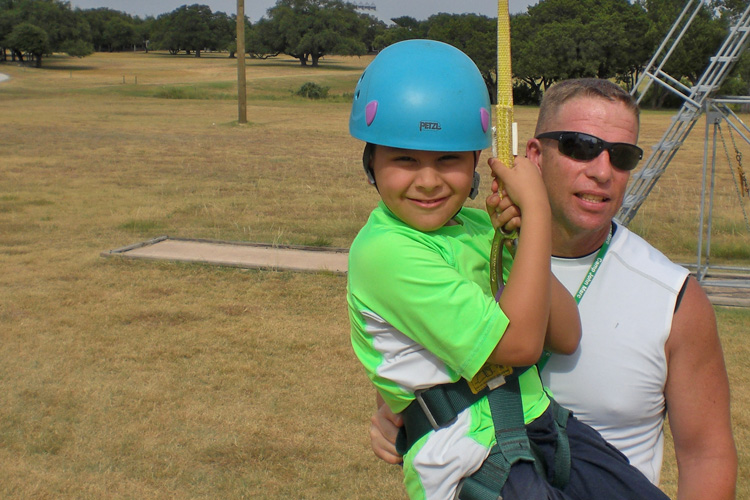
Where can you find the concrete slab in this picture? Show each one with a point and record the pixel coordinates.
(732, 290)
(722, 290)
(238, 254)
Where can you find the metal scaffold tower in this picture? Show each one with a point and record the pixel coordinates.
(697, 101)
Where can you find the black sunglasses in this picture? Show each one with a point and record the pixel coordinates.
(585, 147)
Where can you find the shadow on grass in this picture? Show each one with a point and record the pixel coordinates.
(62, 62)
(65, 67)
(46, 65)
(183, 55)
(286, 63)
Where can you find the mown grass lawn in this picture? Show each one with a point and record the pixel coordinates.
(124, 379)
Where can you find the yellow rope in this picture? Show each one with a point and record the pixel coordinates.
(503, 125)
(504, 108)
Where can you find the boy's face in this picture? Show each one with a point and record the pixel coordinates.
(424, 189)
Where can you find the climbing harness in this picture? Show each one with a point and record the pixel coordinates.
(439, 406)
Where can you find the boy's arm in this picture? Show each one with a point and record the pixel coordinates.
(526, 297)
(384, 424)
(564, 327)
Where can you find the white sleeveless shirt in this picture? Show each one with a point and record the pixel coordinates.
(615, 380)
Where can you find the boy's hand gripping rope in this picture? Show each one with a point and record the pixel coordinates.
(503, 147)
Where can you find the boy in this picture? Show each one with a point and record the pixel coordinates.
(422, 313)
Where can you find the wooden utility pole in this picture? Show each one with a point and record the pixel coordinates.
(241, 83)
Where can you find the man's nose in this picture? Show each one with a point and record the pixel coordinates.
(600, 168)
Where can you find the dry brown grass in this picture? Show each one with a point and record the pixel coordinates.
(670, 216)
(156, 380)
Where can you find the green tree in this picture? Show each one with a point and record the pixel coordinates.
(738, 83)
(111, 30)
(403, 28)
(309, 29)
(64, 28)
(474, 34)
(120, 34)
(193, 26)
(163, 36)
(9, 17)
(187, 28)
(143, 29)
(223, 31)
(27, 38)
(375, 27)
(734, 8)
(691, 56)
(97, 20)
(77, 48)
(259, 40)
(531, 63)
(560, 39)
(56, 18)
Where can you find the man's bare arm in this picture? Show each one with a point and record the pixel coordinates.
(697, 395)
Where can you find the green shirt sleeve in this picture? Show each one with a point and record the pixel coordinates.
(432, 287)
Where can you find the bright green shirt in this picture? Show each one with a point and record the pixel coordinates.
(421, 309)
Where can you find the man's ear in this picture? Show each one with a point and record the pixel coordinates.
(534, 152)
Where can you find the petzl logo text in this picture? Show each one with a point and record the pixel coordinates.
(429, 126)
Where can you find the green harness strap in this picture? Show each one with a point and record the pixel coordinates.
(512, 445)
(562, 453)
(439, 406)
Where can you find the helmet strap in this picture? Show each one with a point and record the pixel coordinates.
(475, 181)
(474, 186)
(367, 155)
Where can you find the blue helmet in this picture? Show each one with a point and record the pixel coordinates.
(425, 95)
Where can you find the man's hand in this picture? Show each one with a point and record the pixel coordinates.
(384, 426)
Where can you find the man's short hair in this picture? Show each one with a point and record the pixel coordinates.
(563, 91)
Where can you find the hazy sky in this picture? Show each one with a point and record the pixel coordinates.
(255, 9)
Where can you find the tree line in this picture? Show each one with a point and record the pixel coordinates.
(553, 40)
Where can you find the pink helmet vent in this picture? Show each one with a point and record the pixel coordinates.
(370, 110)
(485, 116)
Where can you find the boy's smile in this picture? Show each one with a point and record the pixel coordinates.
(424, 189)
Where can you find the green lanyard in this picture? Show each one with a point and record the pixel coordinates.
(585, 284)
(594, 268)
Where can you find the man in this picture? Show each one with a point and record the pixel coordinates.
(649, 340)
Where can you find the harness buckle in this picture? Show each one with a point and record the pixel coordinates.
(425, 408)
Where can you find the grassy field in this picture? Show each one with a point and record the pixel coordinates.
(125, 379)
